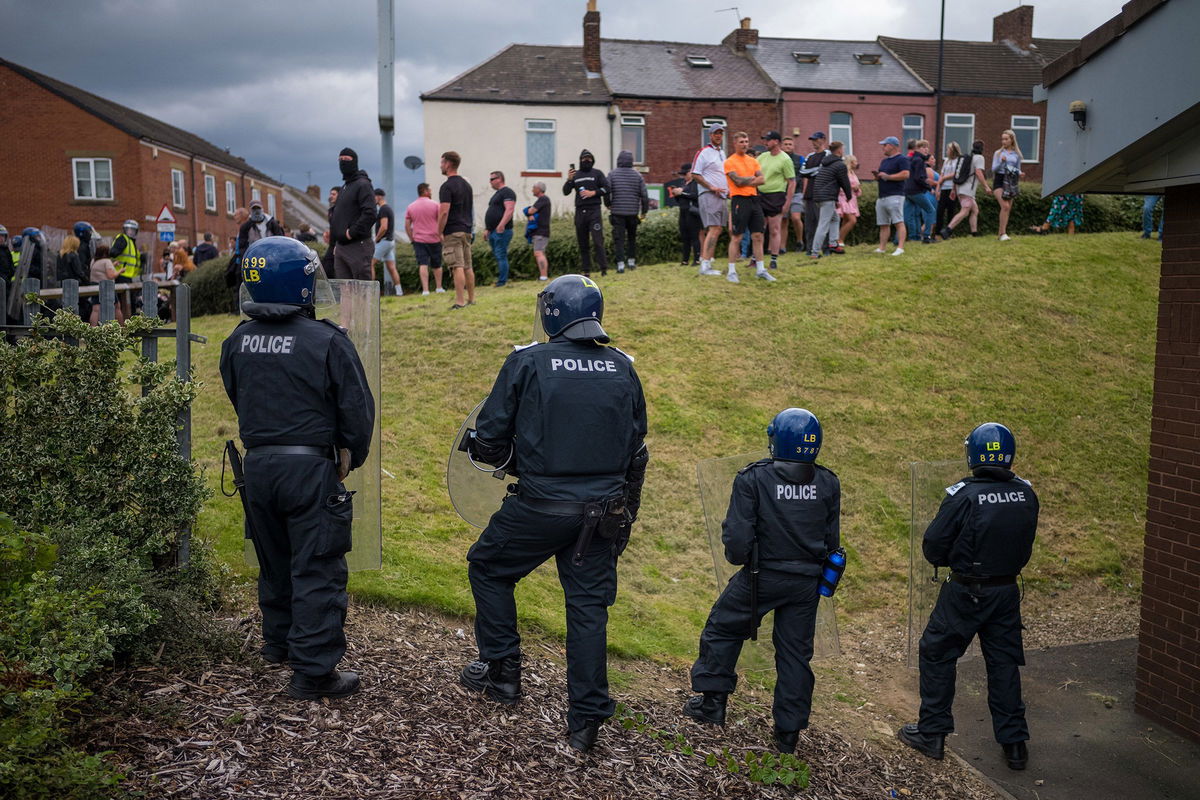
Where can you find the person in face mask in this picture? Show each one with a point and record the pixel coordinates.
(259, 226)
(591, 189)
(352, 220)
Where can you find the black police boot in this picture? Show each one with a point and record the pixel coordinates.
(1016, 754)
(931, 744)
(584, 739)
(785, 741)
(335, 684)
(708, 707)
(500, 680)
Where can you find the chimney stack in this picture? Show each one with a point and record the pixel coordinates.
(742, 37)
(1014, 27)
(591, 39)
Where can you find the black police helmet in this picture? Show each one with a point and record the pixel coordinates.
(572, 306)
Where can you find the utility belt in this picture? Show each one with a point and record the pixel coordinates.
(292, 450)
(607, 517)
(995, 580)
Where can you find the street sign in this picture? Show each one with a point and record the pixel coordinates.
(165, 215)
(166, 236)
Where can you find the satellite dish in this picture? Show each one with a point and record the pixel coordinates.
(413, 162)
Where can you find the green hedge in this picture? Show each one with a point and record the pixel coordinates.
(210, 295)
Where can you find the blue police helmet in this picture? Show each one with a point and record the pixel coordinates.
(81, 228)
(572, 306)
(990, 445)
(31, 232)
(794, 435)
(280, 269)
(17, 241)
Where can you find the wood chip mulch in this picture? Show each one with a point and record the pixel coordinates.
(228, 731)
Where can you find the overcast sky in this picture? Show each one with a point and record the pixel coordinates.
(286, 85)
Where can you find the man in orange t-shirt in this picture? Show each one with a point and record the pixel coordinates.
(745, 175)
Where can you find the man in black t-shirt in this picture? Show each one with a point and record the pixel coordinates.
(456, 219)
(537, 230)
(385, 240)
(499, 224)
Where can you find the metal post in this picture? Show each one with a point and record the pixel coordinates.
(28, 310)
(183, 365)
(937, 95)
(149, 343)
(70, 295)
(387, 90)
(108, 301)
(3, 306)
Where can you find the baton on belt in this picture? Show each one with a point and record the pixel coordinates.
(754, 591)
(239, 488)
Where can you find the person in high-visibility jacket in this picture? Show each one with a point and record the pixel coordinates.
(125, 256)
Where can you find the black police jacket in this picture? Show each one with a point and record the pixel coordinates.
(577, 413)
(793, 510)
(985, 526)
(296, 380)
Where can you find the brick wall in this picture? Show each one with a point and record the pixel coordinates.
(673, 128)
(1168, 665)
(993, 115)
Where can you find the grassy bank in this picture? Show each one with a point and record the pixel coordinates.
(899, 357)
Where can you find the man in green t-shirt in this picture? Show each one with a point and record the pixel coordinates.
(775, 193)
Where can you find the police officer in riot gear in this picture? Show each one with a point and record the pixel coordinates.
(984, 533)
(784, 513)
(567, 416)
(305, 416)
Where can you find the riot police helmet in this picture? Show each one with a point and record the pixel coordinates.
(81, 228)
(572, 306)
(280, 269)
(990, 445)
(3, 231)
(794, 435)
(31, 232)
(129, 227)
(16, 243)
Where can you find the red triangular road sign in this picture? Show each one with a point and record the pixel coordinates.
(165, 215)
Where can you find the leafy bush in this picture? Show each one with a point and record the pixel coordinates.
(210, 295)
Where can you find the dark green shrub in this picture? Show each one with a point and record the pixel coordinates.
(210, 295)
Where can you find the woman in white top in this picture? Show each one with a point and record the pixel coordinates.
(964, 193)
(1006, 159)
(947, 207)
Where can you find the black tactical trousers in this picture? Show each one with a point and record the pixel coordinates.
(301, 538)
(794, 599)
(961, 612)
(519, 539)
(689, 234)
(588, 224)
(812, 218)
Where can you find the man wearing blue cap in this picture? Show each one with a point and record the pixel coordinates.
(889, 208)
(812, 165)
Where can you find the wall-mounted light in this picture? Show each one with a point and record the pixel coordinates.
(1078, 110)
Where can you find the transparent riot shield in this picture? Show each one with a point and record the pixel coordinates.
(929, 481)
(30, 246)
(354, 305)
(715, 479)
(476, 489)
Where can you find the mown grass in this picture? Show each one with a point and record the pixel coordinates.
(899, 357)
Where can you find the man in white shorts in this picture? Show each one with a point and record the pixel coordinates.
(708, 171)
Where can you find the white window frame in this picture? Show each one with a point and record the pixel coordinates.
(904, 127)
(91, 178)
(848, 127)
(635, 122)
(271, 203)
(704, 123)
(255, 194)
(178, 189)
(230, 198)
(1036, 127)
(946, 125)
(210, 192)
(539, 127)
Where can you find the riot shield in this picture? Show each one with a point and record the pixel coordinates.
(929, 480)
(476, 489)
(16, 298)
(715, 479)
(355, 306)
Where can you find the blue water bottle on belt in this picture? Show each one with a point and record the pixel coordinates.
(831, 572)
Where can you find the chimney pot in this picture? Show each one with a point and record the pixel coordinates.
(1015, 26)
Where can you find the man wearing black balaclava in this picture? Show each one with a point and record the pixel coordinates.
(591, 189)
(352, 220)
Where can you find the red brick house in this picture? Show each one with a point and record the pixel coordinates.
(987, 87)
(70, 155)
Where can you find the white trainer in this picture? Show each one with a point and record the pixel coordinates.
(732, 277)
(709, 271)
(899, 251)
(1006, 238)
(878, 250)
(425, 293)
(766, 276)
(440, 290)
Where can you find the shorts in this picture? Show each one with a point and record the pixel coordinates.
(428, 254)
(747, 215)
(385, 250)
(797, 206)
(997, 181)
(713, 213)
(456, 250)
(889, 210)
(772, 203)
(539, 243)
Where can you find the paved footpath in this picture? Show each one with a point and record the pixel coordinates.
(1087, 743)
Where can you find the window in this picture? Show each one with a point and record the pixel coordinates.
(633, 137)
(93, 178)
(869, 59)
(699, 61)
(177, 195)
(704, 123)
(210, 193)
(806, 58)
(255, 194)
(959, 128)
(840, 130)
(271, 204)
(914, 128)
(539, 144)
(230, 198)
(1029, 134)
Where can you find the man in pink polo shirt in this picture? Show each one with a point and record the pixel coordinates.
(421, 225)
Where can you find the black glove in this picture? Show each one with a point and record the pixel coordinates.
(488, 452)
